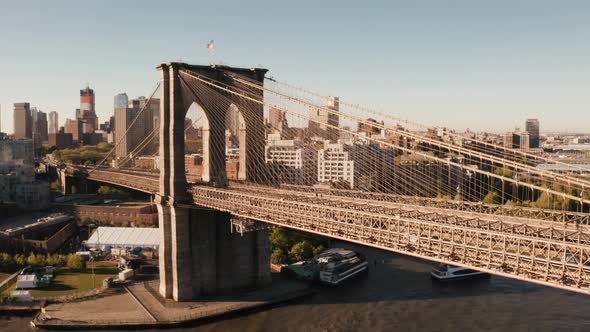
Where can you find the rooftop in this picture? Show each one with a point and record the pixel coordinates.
(125, 237)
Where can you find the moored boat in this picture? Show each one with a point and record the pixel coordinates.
(337, 265)
(445, 272)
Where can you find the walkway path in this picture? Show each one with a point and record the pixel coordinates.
(137, 306)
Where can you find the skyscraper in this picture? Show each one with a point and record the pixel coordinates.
(128, 137)
(532, 127)
(87, 110)
(39, 126)
(23, 122)
(121, 100)
(53, 127)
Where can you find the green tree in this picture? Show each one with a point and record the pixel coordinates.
(36, 260)
(505, 172)
(20, 260)
(550, 201)
(492, 198)
(57, 155)
(76, 263)
(278, 257)
(110, 190)
(279, 238)
(49, 260)
(32, 260)
(59, 260)
(41, 260)
(300, 251)
(318, 249)
(6, 262)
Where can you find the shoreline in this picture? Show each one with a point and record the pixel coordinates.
(209, 310)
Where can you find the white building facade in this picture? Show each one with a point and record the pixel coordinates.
(335, 164)
(290, 160)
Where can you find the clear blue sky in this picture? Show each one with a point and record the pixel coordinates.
(484, 65)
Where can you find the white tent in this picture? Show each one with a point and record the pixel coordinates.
(26, 281)
(124, 237)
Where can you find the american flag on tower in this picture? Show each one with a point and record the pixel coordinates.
(210, 46)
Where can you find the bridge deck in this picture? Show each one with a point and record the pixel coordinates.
(543, 246)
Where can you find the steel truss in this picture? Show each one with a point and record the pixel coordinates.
(148, 182)
(527, 245)
(546, 256)
(495, 209)
(136, 181)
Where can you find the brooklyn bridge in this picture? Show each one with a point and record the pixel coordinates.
(406, 191)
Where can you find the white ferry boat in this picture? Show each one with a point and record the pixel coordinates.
(444, 272)
(337, 264)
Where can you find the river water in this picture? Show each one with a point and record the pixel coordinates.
(398, 295)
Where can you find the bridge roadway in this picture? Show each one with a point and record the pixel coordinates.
(546, 247)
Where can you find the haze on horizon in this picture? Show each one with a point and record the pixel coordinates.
(484, 66)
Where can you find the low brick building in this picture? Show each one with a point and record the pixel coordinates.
(117, 215)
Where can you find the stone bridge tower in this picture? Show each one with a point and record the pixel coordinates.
(198, 252)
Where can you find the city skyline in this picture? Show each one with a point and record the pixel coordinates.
(381, 147)
(495, 65)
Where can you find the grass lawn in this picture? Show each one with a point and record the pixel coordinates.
(4, 275)
(67, 282)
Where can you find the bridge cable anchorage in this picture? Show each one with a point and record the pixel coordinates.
(531, 186)
(492, 147)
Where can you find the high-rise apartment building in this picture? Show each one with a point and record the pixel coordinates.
(348, 164)
(74, 127)
(23, 121)
(53, 127)
(129, 137)
(323, 122)
(151, 113)
(517, 139)
(335, 164)
(292, 160)
(40, 127)
(532, 127)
